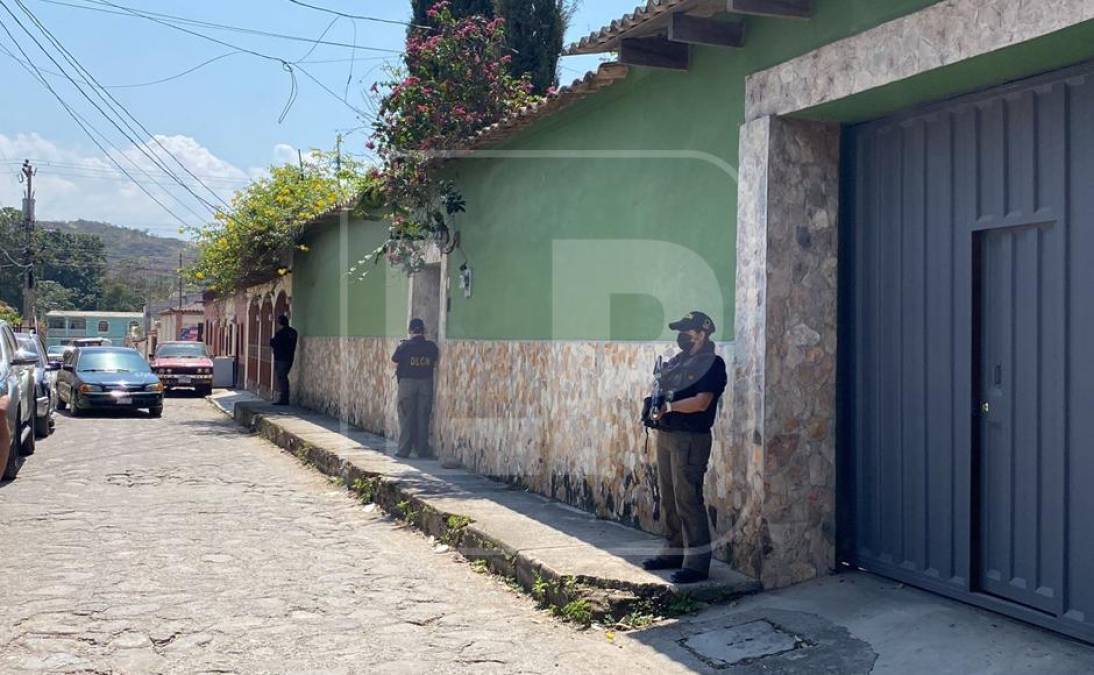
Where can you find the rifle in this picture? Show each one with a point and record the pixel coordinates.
(656, 400)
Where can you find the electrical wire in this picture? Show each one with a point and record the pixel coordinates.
(123, 10)
(140, 147)
(107, 98)
(318, 40)
(76, 117)
(106, 173)
(161, 80)
(284, 63)
(360, 17)
(176, 75)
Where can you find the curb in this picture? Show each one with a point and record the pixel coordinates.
(580, 599)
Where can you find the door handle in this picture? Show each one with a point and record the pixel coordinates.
(985, 408)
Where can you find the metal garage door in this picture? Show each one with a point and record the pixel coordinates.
(967, 341)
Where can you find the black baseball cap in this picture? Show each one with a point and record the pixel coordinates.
(694, 321)
(417, 326)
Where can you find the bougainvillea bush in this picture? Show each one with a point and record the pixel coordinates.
(456, 81)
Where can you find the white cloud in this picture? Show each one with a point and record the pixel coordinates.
(284, 153)
(73, 184)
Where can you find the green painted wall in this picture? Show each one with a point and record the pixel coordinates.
(584, 246)
(609, 218)
(375, 306)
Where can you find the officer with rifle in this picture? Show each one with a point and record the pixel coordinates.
(682, 409)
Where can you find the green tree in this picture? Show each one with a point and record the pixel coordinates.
(118, 295)
(534, 32)
(254, 238)
(53, 296)
(8, 313)
(74, 260)
(12, 243)
(459, 9)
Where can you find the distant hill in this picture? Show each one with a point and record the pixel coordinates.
(155, 253)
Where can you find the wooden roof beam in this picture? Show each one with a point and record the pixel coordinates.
(654, 53)
(698, 31)
(783, 9)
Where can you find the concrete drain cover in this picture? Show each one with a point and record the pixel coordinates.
(736, 644)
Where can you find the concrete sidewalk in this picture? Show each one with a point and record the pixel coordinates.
(550, 548)
(859, 623)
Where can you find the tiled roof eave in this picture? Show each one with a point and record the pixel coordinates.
(603, 77)
(644, 19)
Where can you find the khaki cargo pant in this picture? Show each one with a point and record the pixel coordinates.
(682, 459)
(415, 405)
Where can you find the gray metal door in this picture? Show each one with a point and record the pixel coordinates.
(967, 278)
(1022, 384)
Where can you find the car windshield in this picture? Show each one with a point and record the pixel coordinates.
(194, 350)
(29, 344)
(112, 362)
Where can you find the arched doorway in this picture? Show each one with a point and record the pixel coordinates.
(265, 367)
(280, 308)
(252, 344)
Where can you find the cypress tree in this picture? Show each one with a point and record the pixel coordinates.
(459, 9)
(534, 30)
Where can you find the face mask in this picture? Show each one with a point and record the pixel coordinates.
(685, 342)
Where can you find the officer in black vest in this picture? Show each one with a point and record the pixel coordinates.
(693, 381)
(415, 360)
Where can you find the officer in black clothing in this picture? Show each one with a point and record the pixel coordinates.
(693, 382)
(283, 344)
(416, 359)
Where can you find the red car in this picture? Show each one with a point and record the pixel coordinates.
(184, 365)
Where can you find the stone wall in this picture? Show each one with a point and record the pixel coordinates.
(559, 418)
(943, 34)
(783, 423)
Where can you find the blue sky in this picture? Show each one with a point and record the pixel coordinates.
(221, 120)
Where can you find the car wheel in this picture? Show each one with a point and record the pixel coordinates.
(74, 407)
(15, 457)
(42, 427)
(28, 449)
(156, 412)
(61, 403)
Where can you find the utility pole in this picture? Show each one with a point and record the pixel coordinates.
(29, 308)
(180, 281)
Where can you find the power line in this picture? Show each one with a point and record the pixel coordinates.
(106, 173)
(76, 117)
(176, 75)
(287, 65)
(213, 25)
(90, 80)
(139, 146)
(361, 17)
(163, 79)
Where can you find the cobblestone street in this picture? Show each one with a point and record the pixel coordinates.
(183, 545)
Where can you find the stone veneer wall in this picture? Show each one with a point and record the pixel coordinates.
(946, 33)
(351, 379)
(783, 423)
(559, 418)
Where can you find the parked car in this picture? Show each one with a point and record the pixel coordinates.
(45, 377)
(108, 378)
(16, 403)
(56, 353)
(184, 364)
(91, 342)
